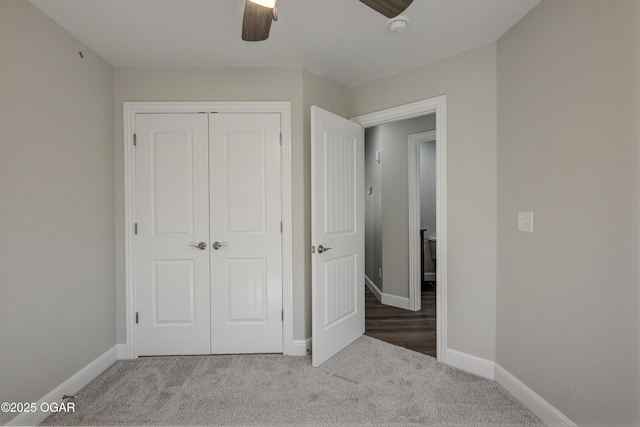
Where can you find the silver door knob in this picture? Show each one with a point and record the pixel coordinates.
(323, 249)
(202, 246)
(218, 245)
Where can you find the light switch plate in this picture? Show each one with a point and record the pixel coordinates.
(525, 222)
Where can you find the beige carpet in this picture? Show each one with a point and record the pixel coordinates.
(368, 383)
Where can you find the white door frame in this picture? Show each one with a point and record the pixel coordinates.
(130, 109)
(415, 281)
(437, 105)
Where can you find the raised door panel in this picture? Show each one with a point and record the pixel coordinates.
(245, 169)
(341, 297)
(174, 292)
(248, 290)
(172, 183)
(339, 182)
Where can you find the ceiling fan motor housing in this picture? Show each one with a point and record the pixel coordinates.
(397, 24)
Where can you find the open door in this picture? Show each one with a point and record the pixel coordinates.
(337, 233)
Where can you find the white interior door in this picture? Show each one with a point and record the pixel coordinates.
(337, 233)
(172, 218)
(246, 235)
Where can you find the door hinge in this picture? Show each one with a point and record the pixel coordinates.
(135, 139)
(282, 315)
(135, 228)
(281, 227)
(137, 318)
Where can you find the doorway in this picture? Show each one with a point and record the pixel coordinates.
(400, 297)
(401, 210)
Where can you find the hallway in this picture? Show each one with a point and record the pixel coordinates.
(415, 330)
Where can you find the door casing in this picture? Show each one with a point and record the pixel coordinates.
(437, 105)
(415, 279)
(130, 109)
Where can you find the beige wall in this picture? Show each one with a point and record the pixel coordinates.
(57, 302)
(373, 207)
(387, 242)
(395, 201)
(469, 82)
(567, 320)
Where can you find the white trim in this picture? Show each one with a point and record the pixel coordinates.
(407, 111)
(373, 288)
(437, 105)
(122, 352)
(429, 276)
(395, 301)
(386, 299)
(130, 109)
(415, 284)
(467, 362)
(301, 347)
(70, 387)
(529, 398)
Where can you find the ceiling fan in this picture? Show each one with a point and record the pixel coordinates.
(258, 15)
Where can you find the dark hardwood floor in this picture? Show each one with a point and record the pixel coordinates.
(415, 330)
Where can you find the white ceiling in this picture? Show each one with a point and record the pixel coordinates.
(342, 40)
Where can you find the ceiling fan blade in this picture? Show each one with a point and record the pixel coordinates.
(257, 22)
(389, 8)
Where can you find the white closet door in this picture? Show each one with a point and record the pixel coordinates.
(172, 216)
(246, 251)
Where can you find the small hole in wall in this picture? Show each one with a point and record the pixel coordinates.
(81, 54)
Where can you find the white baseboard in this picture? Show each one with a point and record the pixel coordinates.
(70, 387)
(476, 365)
(536, 404)
(121, 351)
(491, 370)
(373, 288)
(386, 299)
(301, 347)
(395, 301)
(429, 277)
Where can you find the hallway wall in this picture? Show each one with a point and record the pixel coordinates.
(428, 197)
(387, 239)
